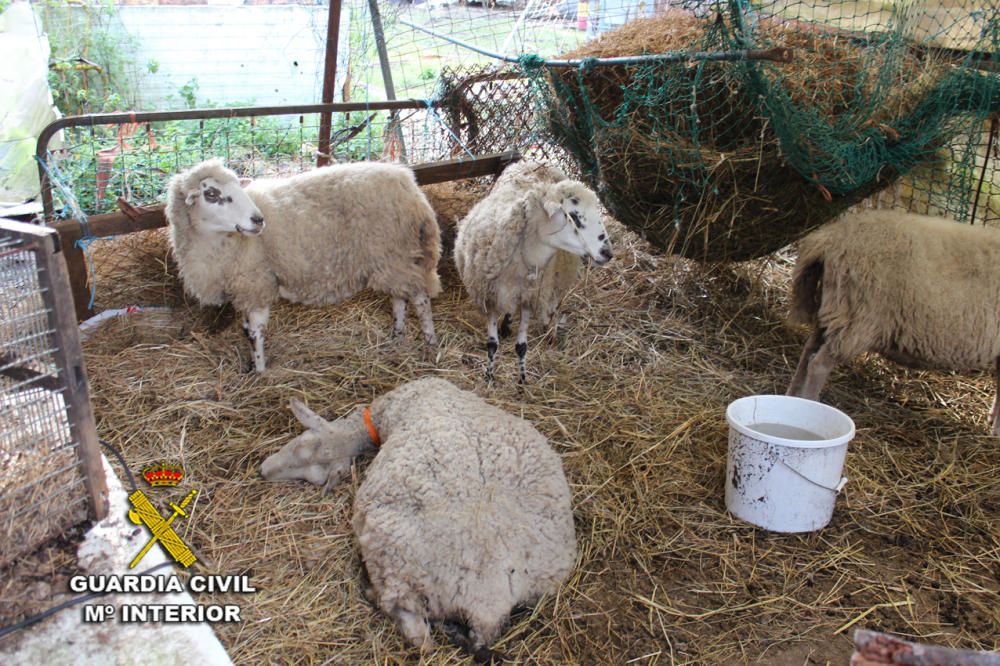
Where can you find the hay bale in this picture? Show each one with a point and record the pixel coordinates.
(696, 160)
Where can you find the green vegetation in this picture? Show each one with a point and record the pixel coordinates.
(91, 57)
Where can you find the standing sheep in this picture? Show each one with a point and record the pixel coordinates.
(918, 290)
(518, 250)
(463, 514)
(331, 232)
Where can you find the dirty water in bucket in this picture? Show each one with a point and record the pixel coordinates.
(785, 431)
(786, 455)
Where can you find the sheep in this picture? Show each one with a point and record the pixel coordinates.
(464, 513)
(331, 232)
(519, 249)
(919, 290)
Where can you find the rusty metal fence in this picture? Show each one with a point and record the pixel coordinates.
(50, 469)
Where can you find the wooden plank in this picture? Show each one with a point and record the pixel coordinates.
(457, 169)
(79, 279)
(54, 279)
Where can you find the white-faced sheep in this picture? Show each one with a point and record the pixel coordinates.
(518, 250)
(331, 232)
(921, 291)
(463, 514)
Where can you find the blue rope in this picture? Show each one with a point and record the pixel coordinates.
(56, 178)
(433, 114)
(84, 245)
(86, 237)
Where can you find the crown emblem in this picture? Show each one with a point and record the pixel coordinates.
(163, 474)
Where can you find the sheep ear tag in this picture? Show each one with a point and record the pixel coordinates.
(372, 430)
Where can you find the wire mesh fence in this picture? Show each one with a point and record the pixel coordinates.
(43, 485)
(828, 121)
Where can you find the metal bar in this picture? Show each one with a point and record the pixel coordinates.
(383, 61)
(779, 54)
(94, 119)
(329, 80)
(62, 319)
(986, 160)
(48, 500)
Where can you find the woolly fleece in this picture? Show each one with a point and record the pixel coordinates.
(919, 290)
(465, 511)
(330, 233)
(490, 240)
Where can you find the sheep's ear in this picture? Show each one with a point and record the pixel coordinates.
(307, 417)
(552, 206)
(245, 181)
(192, 196)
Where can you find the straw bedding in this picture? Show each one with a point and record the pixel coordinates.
(632, 396)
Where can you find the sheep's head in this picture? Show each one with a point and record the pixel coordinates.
(321, 455)
(574, 208)
(215, 200)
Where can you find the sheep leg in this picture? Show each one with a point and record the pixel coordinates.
(995, 410)
(422, 305)
(522, 343)
(492, 344)
(820, 366)
(398, 315)
(414, 628)
(254, 324)
(812, 345)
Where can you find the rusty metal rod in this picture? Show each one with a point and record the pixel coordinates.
(994, 118)
(329, 81)
(779, 54)
(95, 119)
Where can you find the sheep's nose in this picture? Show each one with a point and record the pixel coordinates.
(258, 220)
(606, 254)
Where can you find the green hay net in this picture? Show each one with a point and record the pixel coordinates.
(729, 160)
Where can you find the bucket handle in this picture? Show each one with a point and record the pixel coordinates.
(835, 490)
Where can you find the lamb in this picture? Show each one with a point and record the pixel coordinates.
(919, 290)
(516, 250)
(463, 514)
(331, 232)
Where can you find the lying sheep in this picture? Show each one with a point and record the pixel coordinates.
(918, 290)
(331, 232)
(463, 514)
(517, 251)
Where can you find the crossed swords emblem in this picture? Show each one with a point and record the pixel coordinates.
(144, 513)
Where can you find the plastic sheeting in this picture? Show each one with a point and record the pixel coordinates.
(25, 100)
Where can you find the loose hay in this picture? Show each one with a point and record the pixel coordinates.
(632, 396)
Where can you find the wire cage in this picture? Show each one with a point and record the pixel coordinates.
(50, 469)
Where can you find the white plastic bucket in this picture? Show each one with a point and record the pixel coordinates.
(786, 456)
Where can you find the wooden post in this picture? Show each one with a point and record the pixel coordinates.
(383, 61)
(79, 280)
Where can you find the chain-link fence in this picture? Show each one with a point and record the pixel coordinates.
(50, 474)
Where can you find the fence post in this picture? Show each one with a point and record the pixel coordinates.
(62, 320)
(329, 81)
